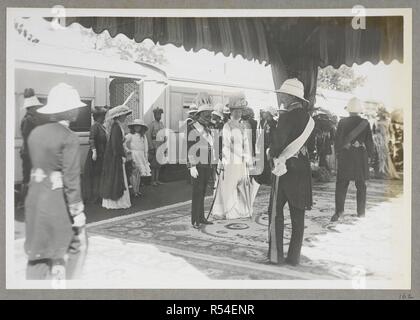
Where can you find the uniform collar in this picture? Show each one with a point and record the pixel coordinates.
(295, 105)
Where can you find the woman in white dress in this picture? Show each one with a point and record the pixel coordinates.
(234, 194)
(137, 146)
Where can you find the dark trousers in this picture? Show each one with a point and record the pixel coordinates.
(199, 186)
(323, 161)
(276, 232)
(341, 193)
(26, 175)
(26, 167)
(41, 269)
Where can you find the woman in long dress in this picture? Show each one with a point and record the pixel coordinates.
(136, 143)
(114, 186)
(95, 157)
(234, 197)
(385, 168)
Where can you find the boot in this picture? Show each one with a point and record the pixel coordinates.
(336, 216)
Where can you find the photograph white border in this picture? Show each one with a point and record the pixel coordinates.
(404, 229)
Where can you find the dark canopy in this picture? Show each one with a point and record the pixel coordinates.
(298, 45)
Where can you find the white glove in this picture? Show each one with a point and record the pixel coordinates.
(58, 273)
(79, 221)
(267, 152)
(219, 166)
(94, 155)
(194, 172)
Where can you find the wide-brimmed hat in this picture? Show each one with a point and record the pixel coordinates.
(138, 122)
(293, 87)
(30, 99)
(354, 106)
(193, 108)
(118, 111)
(237, 101)
(61, 98)
(203, 102)
(218, 110)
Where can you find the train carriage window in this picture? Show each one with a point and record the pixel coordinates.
(83, 121)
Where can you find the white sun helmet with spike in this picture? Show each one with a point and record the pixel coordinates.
(203, 102)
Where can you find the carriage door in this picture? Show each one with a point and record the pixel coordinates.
(120, 89)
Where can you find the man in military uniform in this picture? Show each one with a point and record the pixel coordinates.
(353, 145)
(192, 111)
(200, 157)
(291, 179)
(54, 210)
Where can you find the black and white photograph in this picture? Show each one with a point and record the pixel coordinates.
(208, 148)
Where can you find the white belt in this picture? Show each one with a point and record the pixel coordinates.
(55, 177)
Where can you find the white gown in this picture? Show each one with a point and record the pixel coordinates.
(235, 192)
(124, 202)
(139, 151)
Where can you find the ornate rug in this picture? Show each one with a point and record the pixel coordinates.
(236, 249)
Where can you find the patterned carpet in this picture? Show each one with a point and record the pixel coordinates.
(235, 249)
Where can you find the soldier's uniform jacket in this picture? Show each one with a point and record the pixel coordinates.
(353, 158)
(297, 182)
(183, 135)
(200, 139)
(53, 191)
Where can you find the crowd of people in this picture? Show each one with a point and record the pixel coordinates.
(117, 161)
(387, 158)
(222, 145)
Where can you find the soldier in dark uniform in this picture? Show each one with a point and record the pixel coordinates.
(293, 183)
(353, 145)
(217, 124)
(54, 208)
(200, 157)
(192, 111)
(30, 120)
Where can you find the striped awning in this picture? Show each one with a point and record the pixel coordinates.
(298, 45)
(330, 40)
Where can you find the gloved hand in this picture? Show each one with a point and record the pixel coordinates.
(194, 172)
(94, 155)
(58, 272)
(267, 152)
(219, 166)
(79, 221)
